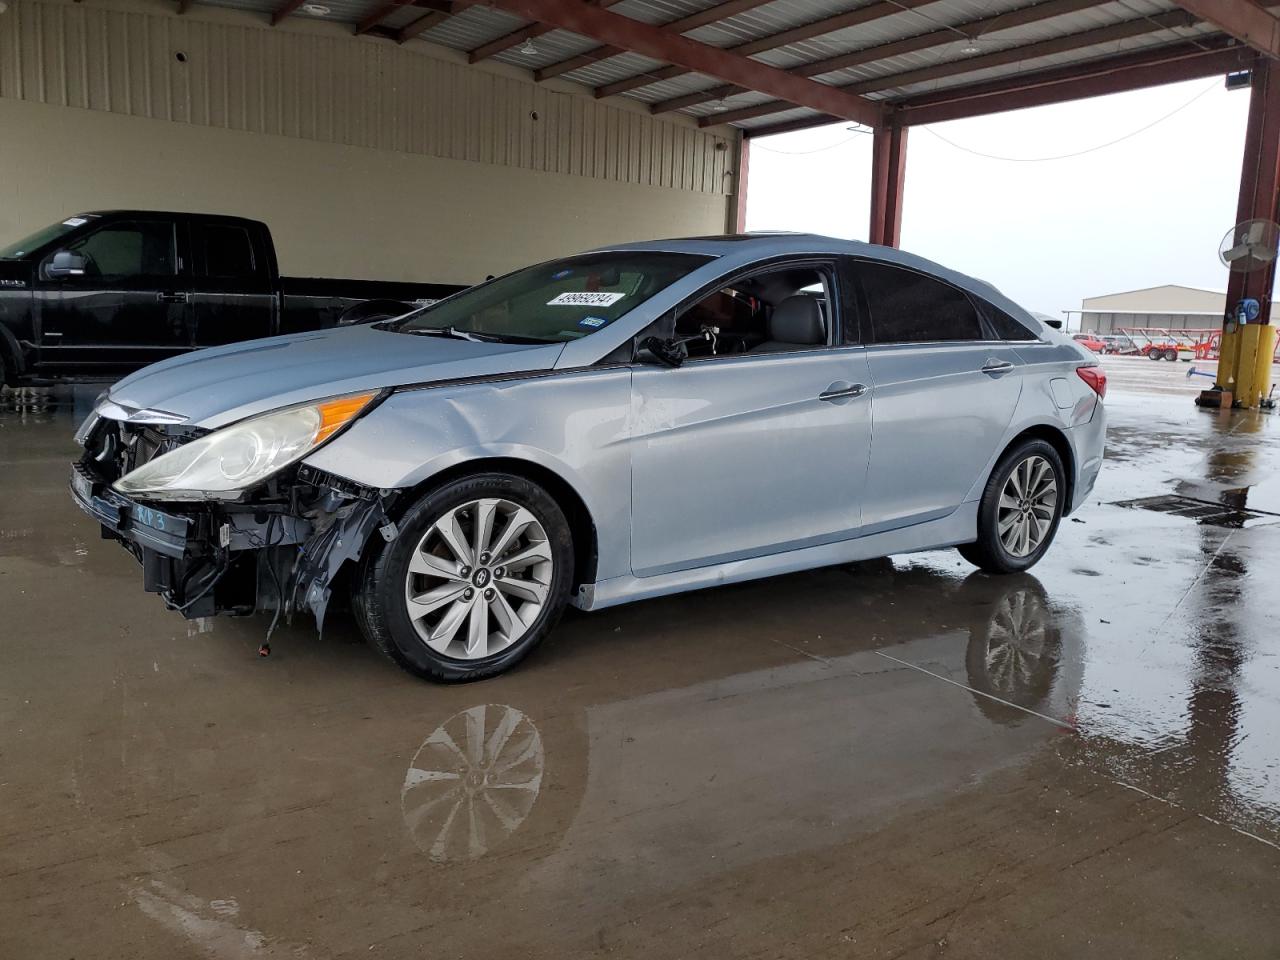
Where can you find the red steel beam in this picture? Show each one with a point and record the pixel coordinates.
(1093, 79)
(818, 28)
(738, 212)
(983, 27)
(700, 19)
(1259, 178)
(1243, 19)
(1075, 41)
(888, 174)
(288, 7)
(613, 29)
(439, 12)
(373, 19)
(421, 25)
(517, 37)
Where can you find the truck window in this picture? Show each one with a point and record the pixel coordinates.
(228, 251)
(140, 248)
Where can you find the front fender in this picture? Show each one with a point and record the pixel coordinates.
(574, 425)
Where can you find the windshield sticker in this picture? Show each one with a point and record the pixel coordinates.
(592, 322)
(74, 222)
(561, 275)
(585, 299)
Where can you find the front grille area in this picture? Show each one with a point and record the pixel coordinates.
(114, 448)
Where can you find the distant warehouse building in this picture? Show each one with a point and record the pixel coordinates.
(1170, 307)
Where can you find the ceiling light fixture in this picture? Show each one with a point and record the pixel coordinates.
(528, 49)
(316, 9)
(971, 46)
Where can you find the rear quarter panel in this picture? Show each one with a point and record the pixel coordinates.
(1054, 396)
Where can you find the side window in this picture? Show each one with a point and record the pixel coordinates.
(1005, 326)
(142, 248)
(779, 311)
(227, 251)
(910, 307)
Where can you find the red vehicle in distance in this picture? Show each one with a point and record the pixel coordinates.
(1091, 341)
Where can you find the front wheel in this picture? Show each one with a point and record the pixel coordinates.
(477, 576)
(1020, 509)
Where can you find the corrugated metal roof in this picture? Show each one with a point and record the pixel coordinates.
(479, 25)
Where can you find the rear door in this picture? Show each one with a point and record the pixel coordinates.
(126, 309)
(233, 297)
(944, 394)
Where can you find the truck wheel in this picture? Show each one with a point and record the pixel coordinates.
(1154, 354)
(1171, 355)
(478, 574)
(1020, 508)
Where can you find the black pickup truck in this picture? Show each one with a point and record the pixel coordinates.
(100, 294)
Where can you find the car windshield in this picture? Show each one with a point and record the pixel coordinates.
(553, 302)
(16, 251)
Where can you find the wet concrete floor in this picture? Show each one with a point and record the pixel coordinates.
(894, 759)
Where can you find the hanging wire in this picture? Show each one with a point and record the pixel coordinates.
(1077, 153)
(804, 153)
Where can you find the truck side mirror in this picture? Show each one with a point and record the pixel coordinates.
(65, 264)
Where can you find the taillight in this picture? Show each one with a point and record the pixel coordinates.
(1095, 377)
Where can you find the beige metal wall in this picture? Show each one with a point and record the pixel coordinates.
(366, 158)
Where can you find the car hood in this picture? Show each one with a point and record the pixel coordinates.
(214, 387)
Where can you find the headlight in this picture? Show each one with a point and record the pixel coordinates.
(227, 461)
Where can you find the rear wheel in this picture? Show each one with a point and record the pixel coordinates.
(1171, 354)
(477, 576)
(1154, 354)
(1020, 509)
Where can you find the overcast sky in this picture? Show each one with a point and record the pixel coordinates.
(1149, 210)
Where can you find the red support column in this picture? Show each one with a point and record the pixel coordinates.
(1259, 178)
(738, 212)
(888, 171)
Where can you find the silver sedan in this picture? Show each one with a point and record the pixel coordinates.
(626, 423)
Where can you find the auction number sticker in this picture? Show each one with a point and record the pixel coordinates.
(585, 299)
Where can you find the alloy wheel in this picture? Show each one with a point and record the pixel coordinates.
(478, 578)
(1028, 503)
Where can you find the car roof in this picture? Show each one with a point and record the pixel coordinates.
(168, 213)
(745, 248)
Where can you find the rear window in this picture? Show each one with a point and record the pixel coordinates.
(557, 301)
(1005, 326)
(910, 307)
(228, 251)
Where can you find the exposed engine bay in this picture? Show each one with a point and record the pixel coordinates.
(280, 552)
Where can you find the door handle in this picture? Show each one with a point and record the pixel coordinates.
(171, 297)
(835, 392)
(994, 366)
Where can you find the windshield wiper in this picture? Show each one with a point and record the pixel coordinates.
(452, 332)
(475, 336)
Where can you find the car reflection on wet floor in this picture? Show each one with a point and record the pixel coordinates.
(892, 758)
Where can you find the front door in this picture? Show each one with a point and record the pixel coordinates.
(754, 452)
(127, 308)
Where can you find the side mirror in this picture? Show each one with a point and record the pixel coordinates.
(65, 264)
(669, 353)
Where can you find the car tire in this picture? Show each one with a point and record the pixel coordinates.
(426, 561)
(1171, 355)
(1154, 354)
(1000, 546)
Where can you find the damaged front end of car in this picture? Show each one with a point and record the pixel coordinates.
(278, 546)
